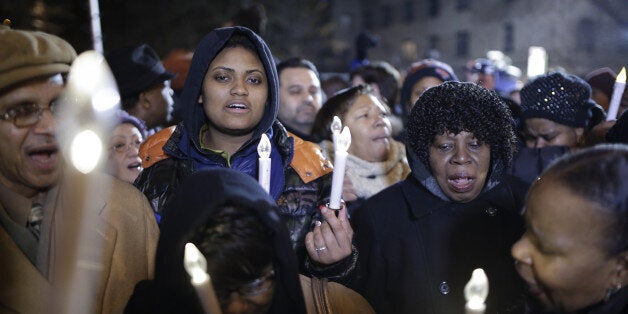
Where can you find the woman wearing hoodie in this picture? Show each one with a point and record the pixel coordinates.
(235, 225)
(420, 239)
(229, 100)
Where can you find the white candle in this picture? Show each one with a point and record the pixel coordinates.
(340, 159)
(618, 91)
(91, 93)
(263, 150)
(475, 292)
(196, 266)
(336, 127)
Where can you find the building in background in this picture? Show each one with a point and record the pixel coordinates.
(578, 35)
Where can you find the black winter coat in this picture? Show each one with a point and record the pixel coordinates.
(417, 251)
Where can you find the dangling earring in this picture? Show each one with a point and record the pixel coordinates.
(610, 291)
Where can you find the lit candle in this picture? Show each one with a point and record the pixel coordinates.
(196, 266)
(618, 91)
(343, 142)
(336, 127)
(89, 102)
(92, 95)
(263, 150)
(475, 292)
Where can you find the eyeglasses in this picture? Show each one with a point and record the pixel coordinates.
(28, 114)
(124, 147)
(258, 286)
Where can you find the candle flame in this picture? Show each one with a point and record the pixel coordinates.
(195, 264)
(336, 125)
(92, 76)
(621, 77)
(476, 290)
(263, 148)
(85, 151)
(344, 140)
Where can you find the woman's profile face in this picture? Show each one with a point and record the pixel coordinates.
(123, 161)
(540, 132)
(368, 122)
(420, 87)
(460, 164)
(562, 255)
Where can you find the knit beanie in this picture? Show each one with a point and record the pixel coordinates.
(124, 117)
(559, 97)
(425, 68)
(26, 55)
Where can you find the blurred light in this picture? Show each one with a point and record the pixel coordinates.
(105, 99)
(476, 291)
(85, 151)
(92, 76)
(195, 264)
(537, 61)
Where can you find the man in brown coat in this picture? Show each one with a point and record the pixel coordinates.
(69, 242)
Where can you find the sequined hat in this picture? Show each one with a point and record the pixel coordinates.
(559, 97)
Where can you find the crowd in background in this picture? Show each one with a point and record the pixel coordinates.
(446, 172)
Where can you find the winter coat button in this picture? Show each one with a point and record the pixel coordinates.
(444, 287)
(491, 211)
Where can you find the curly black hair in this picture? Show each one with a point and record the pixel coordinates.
(455, 107)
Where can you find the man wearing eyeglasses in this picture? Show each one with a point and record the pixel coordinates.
(46, 265)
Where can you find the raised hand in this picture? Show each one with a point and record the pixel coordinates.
(330, 241)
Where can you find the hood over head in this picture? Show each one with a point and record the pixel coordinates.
(192, 112)
(198, 198)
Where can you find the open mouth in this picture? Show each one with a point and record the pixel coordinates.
(461, 183)
(237, 107)
(134, 166)
(43, 155)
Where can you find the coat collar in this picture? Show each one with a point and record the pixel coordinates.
(424, 204)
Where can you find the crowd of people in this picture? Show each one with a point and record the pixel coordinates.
(445, 174)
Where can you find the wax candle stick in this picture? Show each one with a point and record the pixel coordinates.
(91, 94)
(618, 91)
(340, 158)
(263, 150)
(475, 292)
(336, 127)
(196, 266)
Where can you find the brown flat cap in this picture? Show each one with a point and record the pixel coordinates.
(26, 55)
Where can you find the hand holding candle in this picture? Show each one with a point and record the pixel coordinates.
(196, 266)
(263, 150)
(618, 91)
(341, 146)
(475, 292)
